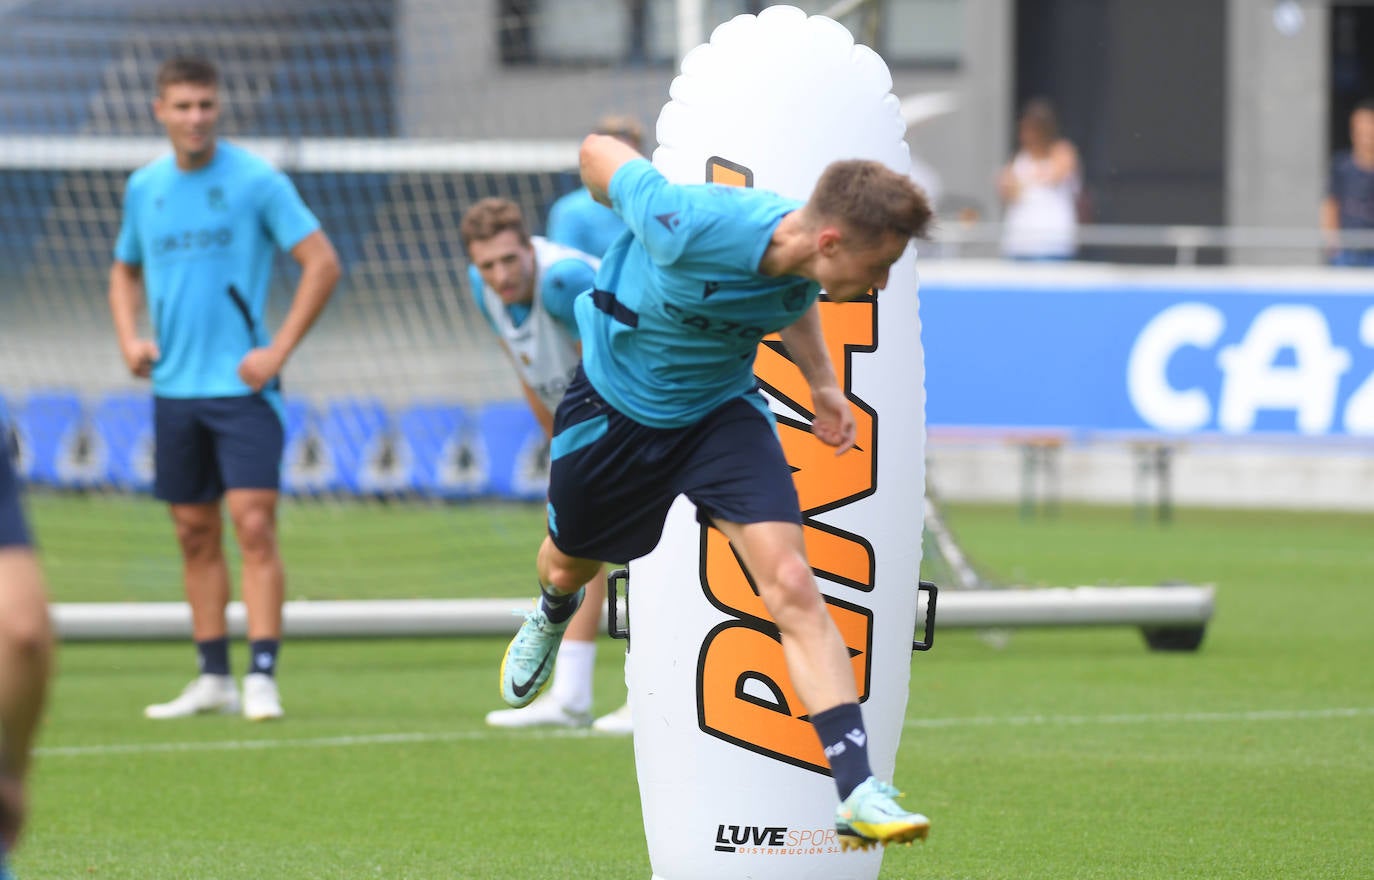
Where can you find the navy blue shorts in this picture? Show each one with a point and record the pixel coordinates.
(14, 530)
(205, 445)
(612, 479)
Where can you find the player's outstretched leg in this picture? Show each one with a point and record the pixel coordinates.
(870, 816)
(531, 654)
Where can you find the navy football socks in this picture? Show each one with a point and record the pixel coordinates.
(264, 656)
(214, 656)
(558, 607)
(841, 730)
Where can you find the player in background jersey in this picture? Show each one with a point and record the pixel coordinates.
(525, 287)
(26, 649)
(200, 230)
(580, 221)
(666, 404)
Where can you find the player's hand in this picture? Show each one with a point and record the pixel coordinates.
(834, 422)
(259, 366)
(139, 356)
(11, 809)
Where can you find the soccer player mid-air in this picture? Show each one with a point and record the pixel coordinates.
(666, 404)
(200, 230)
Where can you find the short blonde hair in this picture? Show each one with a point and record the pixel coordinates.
(871, 199)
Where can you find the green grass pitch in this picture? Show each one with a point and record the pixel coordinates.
(1065, 754)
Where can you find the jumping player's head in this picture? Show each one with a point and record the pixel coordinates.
(187, 105)
(498, 244)
(862, 215)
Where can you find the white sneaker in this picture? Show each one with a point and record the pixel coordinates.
(261, 702)
(620, 722)
(206, 693)
(543, 712)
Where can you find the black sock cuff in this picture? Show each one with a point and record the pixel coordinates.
(842, 734)
(262, 656)
(558, 607)
(844, 712)
(213, 655)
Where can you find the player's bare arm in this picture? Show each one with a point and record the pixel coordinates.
(541, 412)
(1063, 162)
(1330, 220)
(26, 648)
(126, 303)
(600, 157)
(833, 422)
(320, 272)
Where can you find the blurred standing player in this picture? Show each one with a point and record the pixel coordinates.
(525, 286)
(578, 220)
(666, 403)
(199, 234)
(1349, 201)
(26, 647)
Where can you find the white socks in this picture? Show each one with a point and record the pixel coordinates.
(572, 676)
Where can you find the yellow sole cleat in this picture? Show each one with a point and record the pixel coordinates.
(870, 817)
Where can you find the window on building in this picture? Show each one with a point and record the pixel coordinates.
(616, 32)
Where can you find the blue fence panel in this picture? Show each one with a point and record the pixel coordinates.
(363, 444)
(1229, 359)
(60, 447)
(308, 465)
(441, 437)
(514, 449)
(123, 422)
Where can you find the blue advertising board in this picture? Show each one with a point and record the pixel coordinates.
(1150, 352)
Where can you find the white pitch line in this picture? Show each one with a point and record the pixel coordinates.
(1150, 718)
(323, 742)
(381, 739)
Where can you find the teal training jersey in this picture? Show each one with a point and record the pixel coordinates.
(672, 328)
(579, 221)
(205, 240)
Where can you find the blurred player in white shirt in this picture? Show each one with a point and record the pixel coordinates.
(525, 286)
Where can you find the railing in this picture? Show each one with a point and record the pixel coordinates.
(1242, 244)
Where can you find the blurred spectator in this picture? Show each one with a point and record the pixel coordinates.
(1349, 202)
(1040, 187)
(576, 220)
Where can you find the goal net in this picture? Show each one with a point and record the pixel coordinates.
(391, 117)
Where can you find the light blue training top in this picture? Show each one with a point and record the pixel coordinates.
(579, 221)
(673, 326)
(206, 240)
